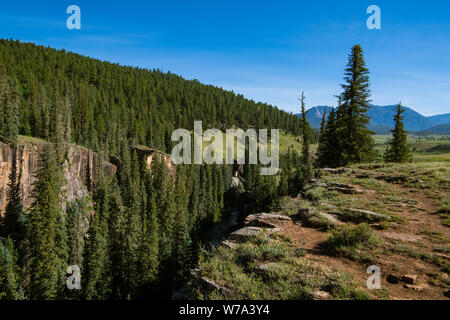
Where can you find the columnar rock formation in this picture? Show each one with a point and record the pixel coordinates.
(80, 171)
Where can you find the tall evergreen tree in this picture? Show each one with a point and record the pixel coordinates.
(306, 168)
(149, 250)
(398, 149)
(328, 146)
(9, 280)
(46, 230)
(9, 107)
(97, 267)
(14, 220)
(354, 138)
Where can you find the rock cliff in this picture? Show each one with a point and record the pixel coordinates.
(80, 169)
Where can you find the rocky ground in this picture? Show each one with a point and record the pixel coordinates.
(321, 243)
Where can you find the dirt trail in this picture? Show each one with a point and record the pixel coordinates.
(422, 232)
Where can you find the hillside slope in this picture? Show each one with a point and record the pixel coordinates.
(320, 244)
(109, 103)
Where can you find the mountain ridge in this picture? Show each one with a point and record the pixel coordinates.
(382, 118)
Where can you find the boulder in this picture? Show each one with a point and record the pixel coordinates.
(409, 278)
(260, 220)
(229, 244)
(211, 285)
(259, 223)
(266, 268)
(316, 219)
(320, 295)
(414, 287)
(346, 190)
(248, 233)
(360, 215)
(235, 182)
(336, 171)
(206, 283)
(392, 278)
(393, 178)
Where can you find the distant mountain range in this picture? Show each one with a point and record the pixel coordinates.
(382, 119)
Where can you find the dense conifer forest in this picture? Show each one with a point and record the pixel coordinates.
(145, 227)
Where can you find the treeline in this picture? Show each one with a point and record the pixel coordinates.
(108, 102)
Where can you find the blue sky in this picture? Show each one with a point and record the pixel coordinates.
(267, 50)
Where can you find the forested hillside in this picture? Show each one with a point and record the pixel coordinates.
(138, 232)
(109, 102)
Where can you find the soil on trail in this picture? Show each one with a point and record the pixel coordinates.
(416, 239)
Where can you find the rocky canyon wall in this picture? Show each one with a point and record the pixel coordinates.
(80, 169)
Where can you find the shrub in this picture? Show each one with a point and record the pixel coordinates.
(315, 194)
(299, 252)
(351, 237)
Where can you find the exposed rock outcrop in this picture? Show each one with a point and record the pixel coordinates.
(80, 171)
(248, 233)
(359, 215)
(265, 220)
(149, 154)
(316, 219)
(335, 186)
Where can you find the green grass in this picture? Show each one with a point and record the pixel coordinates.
(290, 277)
(430, 258)
(354, 242)
(424, 149)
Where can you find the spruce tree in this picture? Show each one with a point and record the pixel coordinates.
(133, 231)
(321, 150)
(97, 267)
(355, 140)
(398, 149)
(46, 230)
(14, 220)
(9, 107)
(327, 155)
(181, 232)
(306, 168)
(9, 280)
(149, 250)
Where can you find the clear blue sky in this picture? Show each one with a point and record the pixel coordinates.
(267, 50)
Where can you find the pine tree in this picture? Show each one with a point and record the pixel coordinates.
(116, 235)
(398, 149)
(321, 150)
(14, 220)
(327, 154)
(9, 107)
(181, 233)
(97, 268)
(76, 214)
(133, 231)
(46, 230)
(306, 168)
(9, 280)
(149, 250)
(354, 138)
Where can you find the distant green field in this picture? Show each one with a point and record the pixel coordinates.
(434, 148)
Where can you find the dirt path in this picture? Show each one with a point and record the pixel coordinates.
(422, 232)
